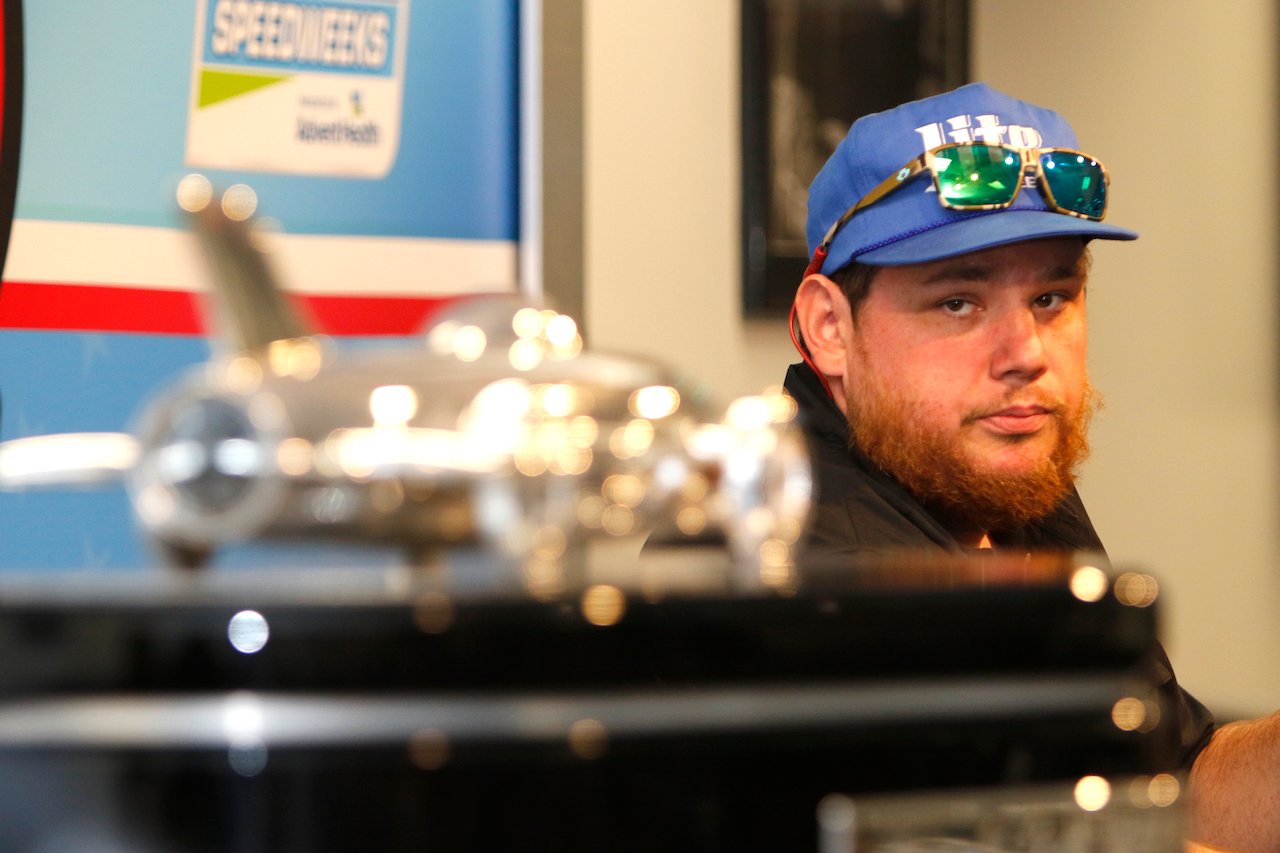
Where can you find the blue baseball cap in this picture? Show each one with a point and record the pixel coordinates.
(909, 226)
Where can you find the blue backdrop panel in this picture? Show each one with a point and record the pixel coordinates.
(105, 123)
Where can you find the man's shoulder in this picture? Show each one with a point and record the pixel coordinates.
(1067, 528)
(857, 509)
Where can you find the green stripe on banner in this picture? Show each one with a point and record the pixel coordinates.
(218, 86)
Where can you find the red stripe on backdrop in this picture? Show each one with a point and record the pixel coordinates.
(77, 308)
(373, 315)
(92, 308)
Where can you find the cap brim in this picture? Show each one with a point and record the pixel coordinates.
(998, 228)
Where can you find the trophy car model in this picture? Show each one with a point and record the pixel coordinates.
(495, 428)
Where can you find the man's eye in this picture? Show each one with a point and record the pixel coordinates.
(957, 306)
(1050, 300)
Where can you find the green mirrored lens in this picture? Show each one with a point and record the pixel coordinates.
(977, 175)
(1076, 181)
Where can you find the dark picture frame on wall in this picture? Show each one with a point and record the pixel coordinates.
(809, 68)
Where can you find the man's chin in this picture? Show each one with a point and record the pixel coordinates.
(1012, 459)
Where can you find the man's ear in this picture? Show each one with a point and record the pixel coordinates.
(826, 324)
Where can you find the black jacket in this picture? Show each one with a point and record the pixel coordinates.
(858, 509)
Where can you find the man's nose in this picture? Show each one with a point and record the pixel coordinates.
(1018, 353)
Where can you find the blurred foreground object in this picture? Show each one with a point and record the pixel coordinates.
(366, 710)
(495, 430)
(1095, 814)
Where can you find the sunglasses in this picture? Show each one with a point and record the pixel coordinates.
(987, 176)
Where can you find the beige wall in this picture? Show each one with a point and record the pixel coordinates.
(662, 192)
(1184, 475)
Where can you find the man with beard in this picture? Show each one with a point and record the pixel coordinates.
(944, 389)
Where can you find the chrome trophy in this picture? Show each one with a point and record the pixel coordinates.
(495, 429)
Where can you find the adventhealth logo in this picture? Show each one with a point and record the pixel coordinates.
(339, 132)
(314, 36)
(983, 128)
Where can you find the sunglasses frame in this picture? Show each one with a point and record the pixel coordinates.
(1030, 161)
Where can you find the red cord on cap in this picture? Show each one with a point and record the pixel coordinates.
(815, 265)
(819, 258)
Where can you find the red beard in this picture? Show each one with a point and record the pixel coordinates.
(938, 471)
